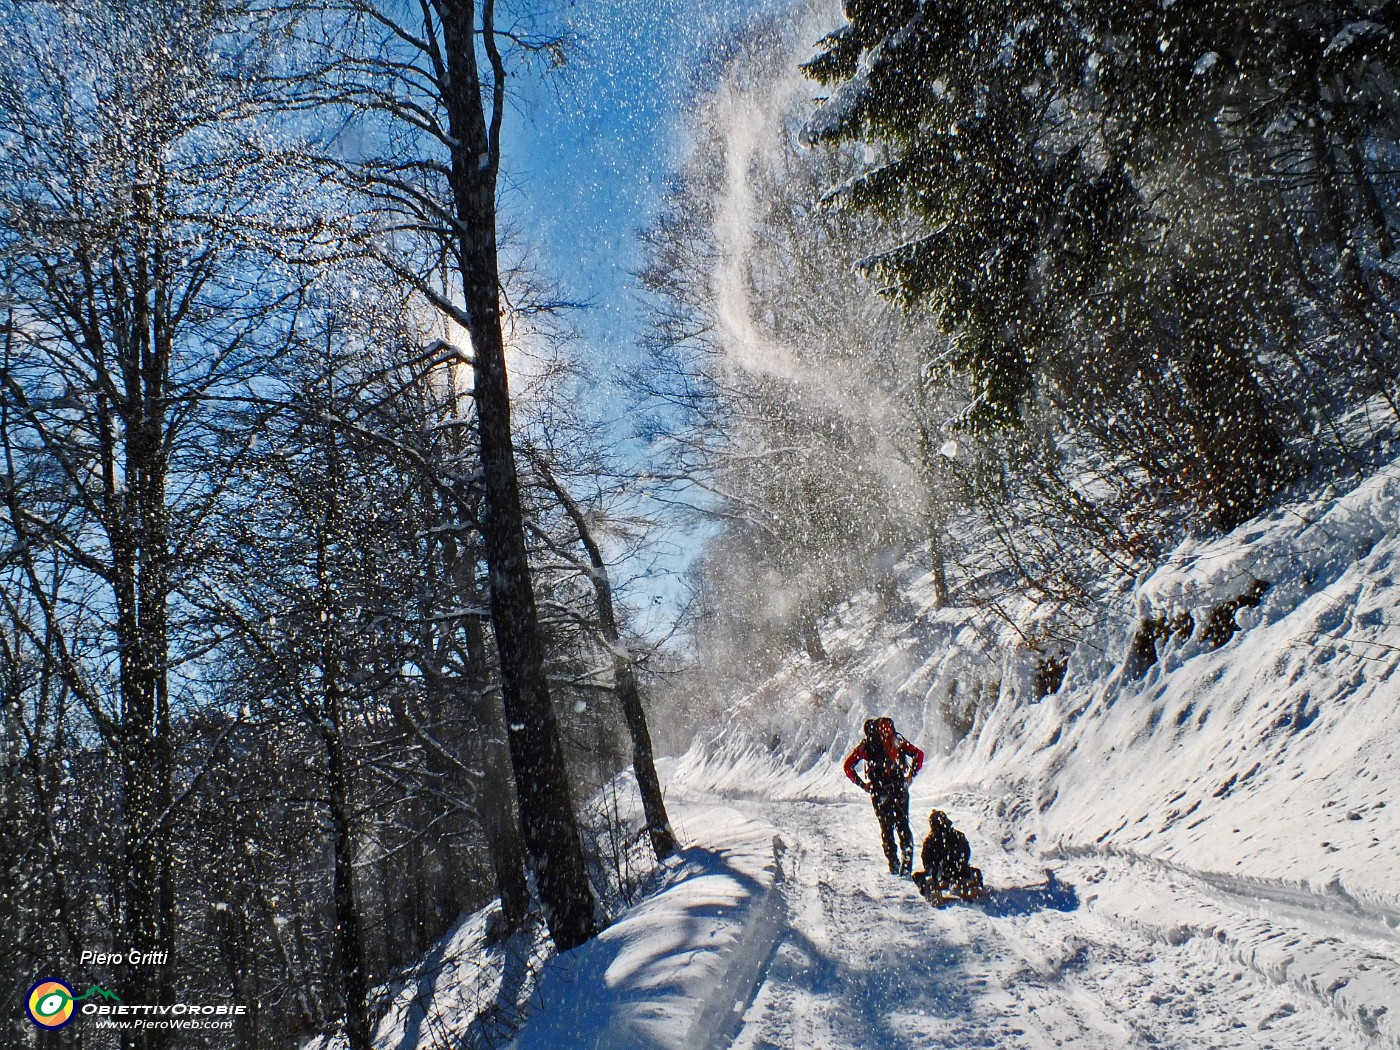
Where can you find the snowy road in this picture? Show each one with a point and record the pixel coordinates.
(1113, 952)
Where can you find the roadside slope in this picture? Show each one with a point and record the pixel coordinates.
(1223, 798)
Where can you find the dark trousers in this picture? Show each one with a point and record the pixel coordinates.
(891, 804)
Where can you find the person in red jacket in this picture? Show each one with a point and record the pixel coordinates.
(890, 763)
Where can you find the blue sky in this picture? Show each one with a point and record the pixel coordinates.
(588, 149)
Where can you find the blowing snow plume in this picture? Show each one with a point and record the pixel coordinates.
(745, 111)
(807, 427)
(771, 245)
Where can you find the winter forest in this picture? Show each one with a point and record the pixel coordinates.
(472, 467)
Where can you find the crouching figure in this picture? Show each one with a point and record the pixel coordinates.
(946, 858)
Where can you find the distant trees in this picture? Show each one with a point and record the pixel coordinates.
(360, 653)
(1139, 267)
(320, 589)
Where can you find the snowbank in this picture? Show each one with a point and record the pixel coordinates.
(1272, 756)
(677, 970)
(672, 973)
(465, 991)
(1350, 964)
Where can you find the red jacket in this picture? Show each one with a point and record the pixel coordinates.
(882, 768)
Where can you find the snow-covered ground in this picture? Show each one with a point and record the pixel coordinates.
(1093, 952)
(1097, 950)
(1199, 853)
(667, 975)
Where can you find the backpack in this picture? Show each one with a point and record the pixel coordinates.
(880, 768)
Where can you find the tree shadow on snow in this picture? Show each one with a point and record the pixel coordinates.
(858, 993)
(1051, 895)
(490, 993)
(895, 984)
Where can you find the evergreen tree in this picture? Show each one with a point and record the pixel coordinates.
(975, 147)
(1111, 204)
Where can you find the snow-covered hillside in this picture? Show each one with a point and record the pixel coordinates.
(1236, 799)
(1272, 756)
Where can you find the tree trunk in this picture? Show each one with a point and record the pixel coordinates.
(938, 556)
(349, 938)
(663, 839)
(547, 816)
(1235, 437)
(138, 532)
(1368, 201)
(809, 633)
(1335, 223)
(937, 519)
(349, 933)
(496, 802)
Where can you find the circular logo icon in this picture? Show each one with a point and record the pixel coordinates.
(51, 1004)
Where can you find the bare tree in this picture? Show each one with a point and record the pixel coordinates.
(427, 81)
(140, 227)
(629, 696)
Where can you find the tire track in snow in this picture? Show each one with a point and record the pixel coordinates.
(1333, 912)
(1302, 948)
(1341, 952)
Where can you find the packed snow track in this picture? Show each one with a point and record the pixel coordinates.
(1083, 951)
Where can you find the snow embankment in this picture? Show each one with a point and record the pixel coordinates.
(676, 971)
(1271, 756)
(470, 989)
(1342, 958)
